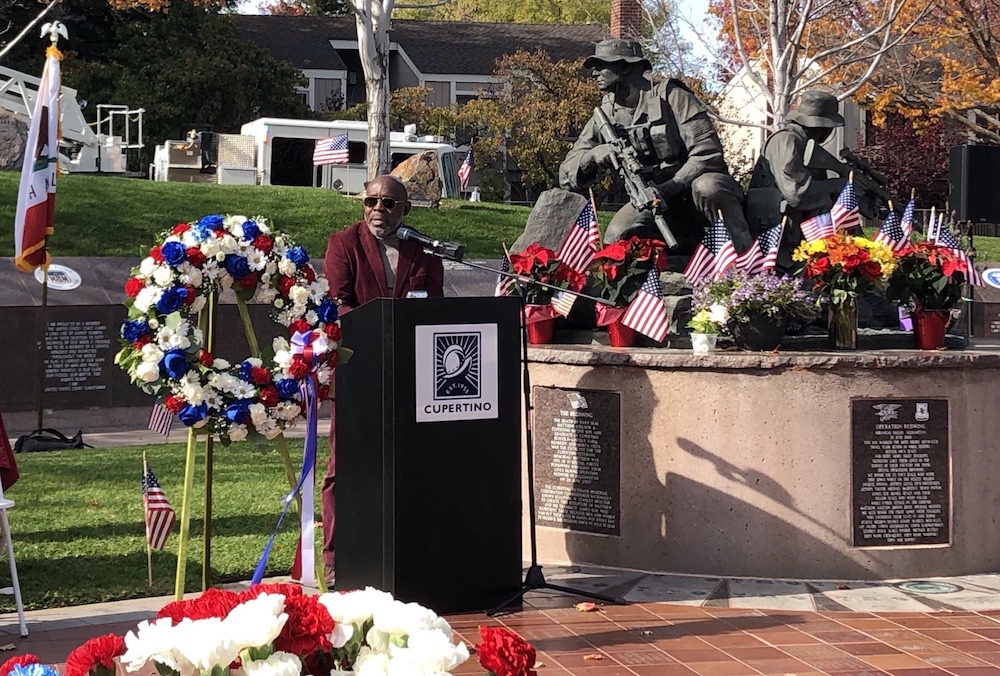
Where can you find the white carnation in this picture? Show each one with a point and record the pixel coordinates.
(238, 432)
(197, 305)
(255, 361)
(286, 267)
(163, 275)
(147, 298)
(298, 295)
(220, 364)
(147, 371)
(371, 662)
(257, 622)
(278, 664)
(147, 266)
(258, 414)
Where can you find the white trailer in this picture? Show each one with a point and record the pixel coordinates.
(82, 149)
(284, 154)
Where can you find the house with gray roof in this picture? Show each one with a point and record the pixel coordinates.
(454, 60)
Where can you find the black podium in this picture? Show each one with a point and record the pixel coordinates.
(429, 451)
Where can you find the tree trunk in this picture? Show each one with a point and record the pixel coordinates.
(372, 19)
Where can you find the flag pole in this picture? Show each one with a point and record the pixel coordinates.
(145, 520)
(40, 356)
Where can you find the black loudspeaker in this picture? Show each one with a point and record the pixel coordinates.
(429, 451)
(973, 174)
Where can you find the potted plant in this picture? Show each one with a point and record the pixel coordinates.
(929, 281)
(705, 325)
(541, 264)
(758, 306)
(841, 268)
(617, 273)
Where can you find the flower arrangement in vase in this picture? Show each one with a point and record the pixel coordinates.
(929, 281)
(617, 273)
(842, 268)
(541, 264)
(705, 325)
(758, 306)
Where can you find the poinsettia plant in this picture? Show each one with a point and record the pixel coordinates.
(543, 265)
(620, 268)
(928, 276)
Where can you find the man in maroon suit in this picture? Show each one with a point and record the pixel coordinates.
(368, 261)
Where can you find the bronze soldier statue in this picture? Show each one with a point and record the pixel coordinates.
(678, 152)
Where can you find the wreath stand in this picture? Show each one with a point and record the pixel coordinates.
(206, 322)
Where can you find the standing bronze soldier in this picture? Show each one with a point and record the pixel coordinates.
(677, 146)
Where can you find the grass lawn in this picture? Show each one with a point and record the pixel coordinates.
(78, 522)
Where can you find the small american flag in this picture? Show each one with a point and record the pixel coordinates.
(763, 254)
(892, 234)
(562, 302)
(582, 240)
(159, 513)
(907, 222)
(160, 419)
(332, 150)
(713, 256)
(818, 227)
(646, 313)
(845, 210)
(465, 171)
(946, 238)
(504, 283)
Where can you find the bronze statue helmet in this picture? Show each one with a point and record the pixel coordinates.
(613, 50)
(817, 109)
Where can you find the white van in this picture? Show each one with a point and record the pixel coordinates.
(284, 149)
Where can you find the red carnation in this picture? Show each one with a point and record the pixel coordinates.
(504, 653)
(260, 375)
(213, 603)
(300, 325)
(205, 358)
(333, 360)
(250, 281)
(191, 294)
(282, 588)
(133, 286)
(156, 254)
(195, 257)
(180, 228)
(142, 341)
(333, 331)
(175, 404)
(19, 661)
(324, 392)
(309, 623)
(269, 397)
(298, 369)
(284, 285)
(309, 273)
(96, 655)
(263, 243)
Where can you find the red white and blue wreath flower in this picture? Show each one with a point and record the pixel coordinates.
(163, 347)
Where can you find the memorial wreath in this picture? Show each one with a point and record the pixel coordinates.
(170, 295)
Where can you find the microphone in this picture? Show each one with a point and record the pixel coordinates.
(452, 250)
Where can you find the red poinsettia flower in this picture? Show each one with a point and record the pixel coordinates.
(504, 653)
(18, 661)
(614, 252)
(95, 656)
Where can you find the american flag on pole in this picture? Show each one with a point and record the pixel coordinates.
(763, 254)
(504, 283)
(159, 513)
(892, 234)
(36, 197)
(646, 313)
(562, 302)
(582, 240)
(713, 256)
(845, 213)
(818, 227)
(946, 238)
(907, 221)
(465, 171)
(160, 419)
(331, 150)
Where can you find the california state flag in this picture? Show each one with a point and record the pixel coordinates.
(36, 199)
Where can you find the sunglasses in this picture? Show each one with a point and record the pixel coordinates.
(387, 202)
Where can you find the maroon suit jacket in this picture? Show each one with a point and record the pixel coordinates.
(353, 267)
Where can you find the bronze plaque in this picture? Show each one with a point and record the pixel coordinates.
(577, 455)
(901, 472)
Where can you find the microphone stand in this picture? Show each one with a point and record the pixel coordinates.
(534, 578)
